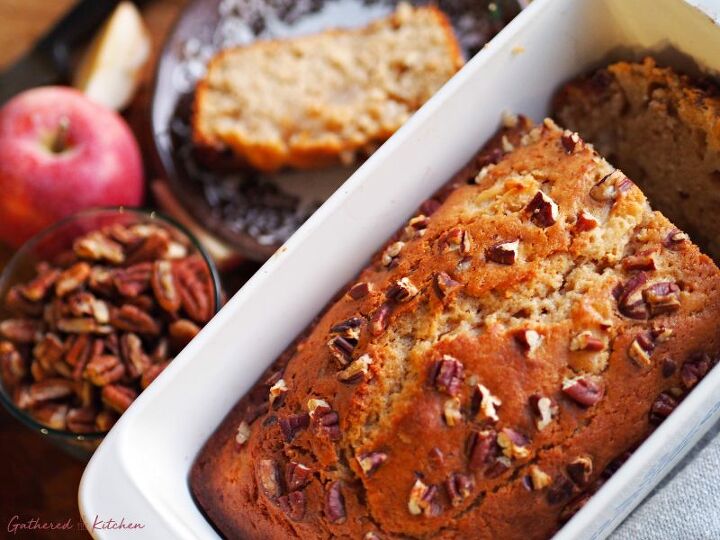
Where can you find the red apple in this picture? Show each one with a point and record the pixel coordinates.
(59, 153)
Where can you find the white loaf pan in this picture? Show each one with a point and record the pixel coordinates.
(140, 472)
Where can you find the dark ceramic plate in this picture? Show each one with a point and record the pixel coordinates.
(253, 212)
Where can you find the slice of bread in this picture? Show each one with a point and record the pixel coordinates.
(320, 99)
(663, 130)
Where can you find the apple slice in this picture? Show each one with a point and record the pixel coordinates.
(109, 72)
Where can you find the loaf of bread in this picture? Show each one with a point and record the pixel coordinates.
(319, 99)
(485, 373)
(663, 130)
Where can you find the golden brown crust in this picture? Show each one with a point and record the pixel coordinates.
(309, 149)
(419, 450)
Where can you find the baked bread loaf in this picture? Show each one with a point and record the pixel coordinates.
(318, 99)
(482, 376)
(663, 130)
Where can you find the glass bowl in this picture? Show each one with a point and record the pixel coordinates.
(50, 244)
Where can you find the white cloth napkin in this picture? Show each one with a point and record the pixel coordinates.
(686, 505)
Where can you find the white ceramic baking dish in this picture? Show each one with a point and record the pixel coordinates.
(139, 474)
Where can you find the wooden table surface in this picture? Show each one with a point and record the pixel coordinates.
(36, 479)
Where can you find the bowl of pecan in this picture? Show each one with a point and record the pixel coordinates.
(93, 309)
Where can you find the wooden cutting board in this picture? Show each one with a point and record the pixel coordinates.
(37, 479)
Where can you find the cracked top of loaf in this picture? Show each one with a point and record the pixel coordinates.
(527, 328)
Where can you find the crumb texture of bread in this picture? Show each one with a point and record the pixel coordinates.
(531, 324)
(319, 99)
(663, 130)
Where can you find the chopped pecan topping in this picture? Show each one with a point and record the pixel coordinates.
(630, 303)
(641, 348)
(416, 227)
(447, 374)
(503, 252)
(335, 503)
(669, 367)
(586, 221)
(243, 433)
(371, 461)
(573, 508)
(694, 369)
(498, 467)
(324, 418)
(675, 238)
(513, 443)
(293, 504)
(662, 297)
(451, 411)
(561, 490)
(538, 478)
(277, 391)
(458, 239)
(379, 320)
(484, 404)
(391, 253)
(585, 390)
(543, 210)
(610, 186)
(544, 410)
(482, 448)
(528, 339)
(459, 487)
(341, 349)
(640, 261)
(421, 500)
(297, 475)
(349, 329)
(436, 456)
(662, 407)
(358, 370)
(587, 341)
(317, 405)
(290, 425)
(580, 470)
(402, 290)
(569, 141)
(360, 290)
(445, 284)
(269, 480)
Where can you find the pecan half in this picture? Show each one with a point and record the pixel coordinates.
(163, 285)
(36, 289)
(132, 352)
(585, 390)
(104, 369)
(21, 330)
(12, 365)
(132, 319)
(51, 389)
(118, 397)
(269, 478)
(53, 415)
(193, 284)
(182, 332)
(151, 373)
(72, 279)
(133, 280)
(335, 503)
(482, 448)
(630, 302)
(96, 246)
(81, 420)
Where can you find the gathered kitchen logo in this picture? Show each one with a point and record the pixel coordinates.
(19, 524)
